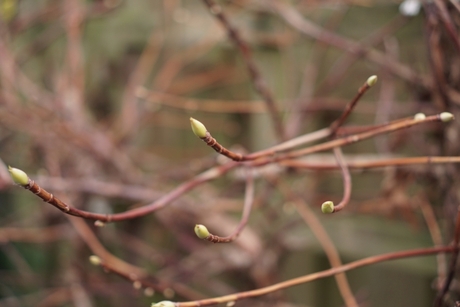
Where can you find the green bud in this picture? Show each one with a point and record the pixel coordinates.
(95, 260)
(446, 116)
(201, 231)
(372, 80)
(164, 304)
(19, 176)
(198, 128)
(327, 207)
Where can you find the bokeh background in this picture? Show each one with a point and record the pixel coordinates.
(95, 100)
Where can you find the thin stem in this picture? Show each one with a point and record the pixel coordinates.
(212, 142)
(134, 213)
(346, 179)
(436, 236)
(259, 84)
(339, 121)
(372, 164)
(248, 201)
(318, 275)
(452, 267)
(393, 126)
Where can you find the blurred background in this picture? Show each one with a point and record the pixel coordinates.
(95, 100)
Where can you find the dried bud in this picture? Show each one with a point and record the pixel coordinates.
(19, 176)
(372, 80)
(201, 231)
(327, 207)
(198, 128)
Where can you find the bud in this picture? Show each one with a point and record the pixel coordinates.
(99, 223)
(201, 231)
(95, 260)
(446, 116)
(198, 128)
(19, 176)
(164, 304)
(419, 116)
(372, 80)
(327, 207)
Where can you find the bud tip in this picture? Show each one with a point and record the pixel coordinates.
(19, 176)
(446, 116)
(327, 207)
(372, 80)
(201, 231)
(163, 304)
(198, 128)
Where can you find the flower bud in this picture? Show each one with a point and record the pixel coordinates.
(198, 128)
(19, 176)
(372, 80)
(164, 304)
(201, 231)
(446, 116)
(327, 207)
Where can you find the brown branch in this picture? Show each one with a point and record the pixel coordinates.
(436, 236)
(371, 164)
(48, 197)
(259, 83)
(350, 106)
(453, 263)
(311, 277)
(390, 127)
(346, 184)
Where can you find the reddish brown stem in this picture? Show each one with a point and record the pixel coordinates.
(339, 121)
(212, 142)
(452, 267)
(346, 180)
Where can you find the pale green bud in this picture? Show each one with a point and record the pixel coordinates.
(201, 231)
(446, 116)
(419, 116)
(19, 176)
(198, 128)
(95, 260)
(372, 80)
(327, 207)
(164, 304)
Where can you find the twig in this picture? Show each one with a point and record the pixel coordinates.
(363, 89)
(436, 236)
(210, 174)
(200, 131)
(390, 127)
(259, 83)
(371, 164)
(328, 206)
(203, 233)
(453, 263)
(310, 277)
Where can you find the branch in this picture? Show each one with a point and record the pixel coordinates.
(310, 277)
